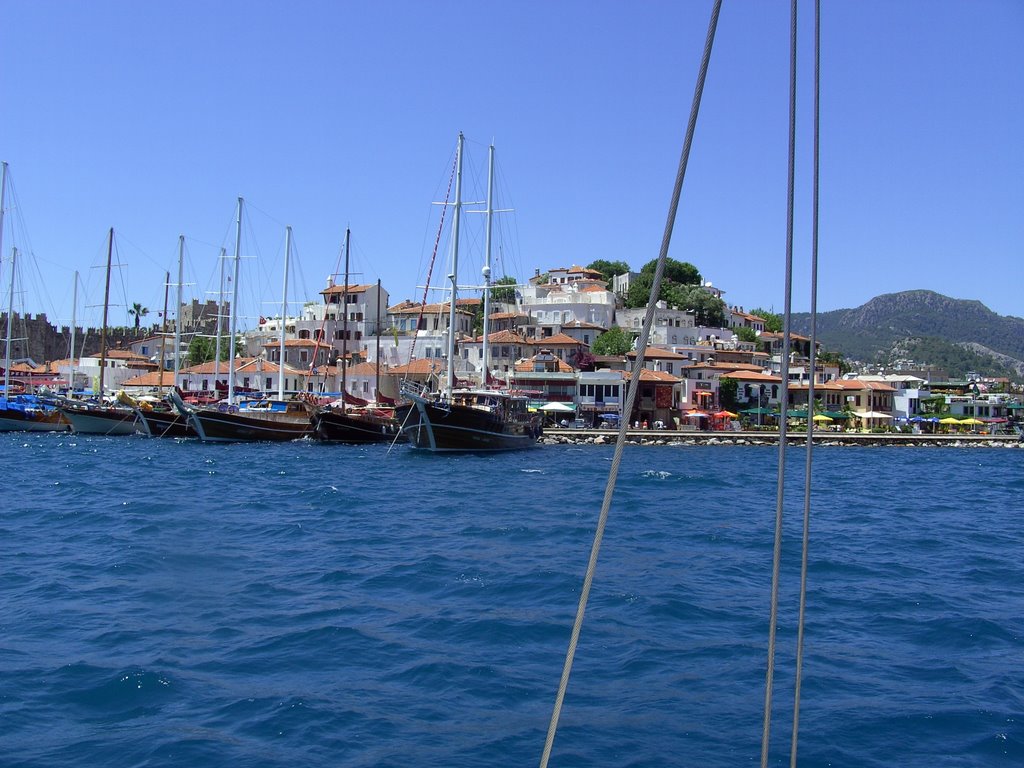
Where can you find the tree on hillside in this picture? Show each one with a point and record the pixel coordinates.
(772, 321)
(502, 289)
(708, 310)
(614, 341)
(834, 358)
(746, 333)
(609, 269)
(138, 312)
(680, 272)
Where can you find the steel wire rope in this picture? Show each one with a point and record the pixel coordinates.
(805, 544)
(638, 365)
(784, 395)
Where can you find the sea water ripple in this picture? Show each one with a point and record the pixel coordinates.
(169, 603)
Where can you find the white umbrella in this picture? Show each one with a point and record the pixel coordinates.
(557, 408)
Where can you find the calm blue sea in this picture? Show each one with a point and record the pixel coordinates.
(169, 603)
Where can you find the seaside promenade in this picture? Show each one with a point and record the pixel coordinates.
(694, 437)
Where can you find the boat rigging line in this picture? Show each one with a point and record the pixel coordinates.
(638, 365)
(812, 359)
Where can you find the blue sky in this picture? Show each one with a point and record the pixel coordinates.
(153, 117)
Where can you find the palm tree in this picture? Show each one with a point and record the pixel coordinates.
(138, 312)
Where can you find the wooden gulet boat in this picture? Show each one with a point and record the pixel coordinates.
(460, 420)
(96, 418)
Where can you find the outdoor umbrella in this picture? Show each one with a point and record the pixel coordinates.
(725, 415)
(822, 417)
(557, 408)
(949, 420)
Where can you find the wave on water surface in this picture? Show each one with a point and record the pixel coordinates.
(172, 603)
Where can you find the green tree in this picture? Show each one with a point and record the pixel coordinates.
(834, 358)
(614, 341)
(727, 390)
(681, 272)
(503, 289)
(746, 333)
(202, 349)
(708, 310)
(138, 312)
(609, 269)
(772, 321)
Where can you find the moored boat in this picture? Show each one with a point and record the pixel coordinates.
(365, 425)
(263, 420)
(478, 420)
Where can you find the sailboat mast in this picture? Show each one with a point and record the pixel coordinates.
(220, 319)
(163, 334)
(234, 307)
(284, 313)
(10, 324)
(487, 262)
(344, 324)
(74, 319)
(453, 277)
(177, 309)
(376, 326)
(3, 195)
(106, 307)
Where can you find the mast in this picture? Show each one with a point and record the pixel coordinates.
(344, 324)
(284, 312)
(234, 308)
(10, 314)
(177, 310)
(487, 261)
(74, 316)
(10, 310)
(453, 277)
(106, 307)
(376, 325)
(220, 319)
(163, 334)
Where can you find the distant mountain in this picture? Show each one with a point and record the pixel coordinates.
(881, 328)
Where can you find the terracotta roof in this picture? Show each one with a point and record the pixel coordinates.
(575, 270)
(124, 354)
(421, 365)
(365, 369)
(580, 324)
(656, 353)
(498, 337)
(656, 376)
(507, 315)
(774, 335)
(413, 308)
(558, 340)
(151, 379)
(526, 366)
(752, 376)
(351, 289)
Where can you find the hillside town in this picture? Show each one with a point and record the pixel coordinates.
(553, 336)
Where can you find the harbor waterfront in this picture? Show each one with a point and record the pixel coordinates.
(170, 602)
(695, 437)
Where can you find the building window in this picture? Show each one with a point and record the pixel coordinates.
(304, 356)
(269, 383)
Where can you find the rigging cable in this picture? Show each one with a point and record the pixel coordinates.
(810, 389)
(784, 395)
(632, 390)
(430, 268)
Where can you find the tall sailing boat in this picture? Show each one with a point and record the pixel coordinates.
(254, 420)
(23, 411)
(162, 419)
(467, 419)
(95, 418)
(368, 423)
